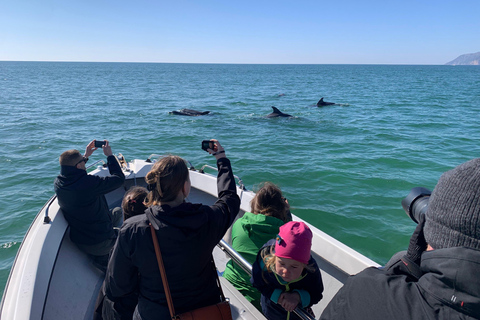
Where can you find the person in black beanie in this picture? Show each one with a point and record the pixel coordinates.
(438, 277)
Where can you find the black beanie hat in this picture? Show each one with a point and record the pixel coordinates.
(453, 214)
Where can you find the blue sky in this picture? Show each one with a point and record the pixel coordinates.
(215, 31)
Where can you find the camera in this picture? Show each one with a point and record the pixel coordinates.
(207, 144)
(415, 203)
(99, 143)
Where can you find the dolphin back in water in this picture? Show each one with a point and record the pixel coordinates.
(277, 113)
(322, 103)
(189, 112)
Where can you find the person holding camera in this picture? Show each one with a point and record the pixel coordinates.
(187, 234)
(438, 277)
(82, 199)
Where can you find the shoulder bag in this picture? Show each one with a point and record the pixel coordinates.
(219, 311)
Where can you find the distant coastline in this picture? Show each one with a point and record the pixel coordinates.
(469, 59)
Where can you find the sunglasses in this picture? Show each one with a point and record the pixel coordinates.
(83, 160)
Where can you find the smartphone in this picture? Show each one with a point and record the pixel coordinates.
(207, 144)
(99, 143)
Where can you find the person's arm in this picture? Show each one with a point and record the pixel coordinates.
(289, 300)
(409, 264)
(218, 151)
(304, 297)
(107, 149)
(228, 199)
(121, 283)
(258, 280)
(114, 167)
(90, 149)
(116, 179)
(227, 206)
(103, 185)
(314, 291)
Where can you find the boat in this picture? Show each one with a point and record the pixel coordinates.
(52, 279)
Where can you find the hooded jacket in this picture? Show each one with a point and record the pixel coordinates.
(187, 235)
(448, 289)
(82, 199)
(249, 234)
(309, 286)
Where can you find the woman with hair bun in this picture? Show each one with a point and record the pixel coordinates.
(187, 234)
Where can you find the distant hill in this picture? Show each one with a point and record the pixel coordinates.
(469, 59)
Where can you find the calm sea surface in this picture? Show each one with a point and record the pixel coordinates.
(344, 168)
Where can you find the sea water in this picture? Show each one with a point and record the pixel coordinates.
(343, 168)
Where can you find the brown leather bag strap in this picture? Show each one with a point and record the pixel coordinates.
(218, 280)
(161, 267)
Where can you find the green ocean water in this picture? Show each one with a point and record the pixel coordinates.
(344, 168)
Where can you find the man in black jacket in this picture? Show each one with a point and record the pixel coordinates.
(438, 277)
(82, 199)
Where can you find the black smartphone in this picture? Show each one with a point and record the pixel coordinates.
(99, 143)
(207, 144)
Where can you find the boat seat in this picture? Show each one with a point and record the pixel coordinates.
(73, 269)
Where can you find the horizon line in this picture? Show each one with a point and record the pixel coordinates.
(232, 63)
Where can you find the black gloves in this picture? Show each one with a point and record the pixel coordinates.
(417, 246)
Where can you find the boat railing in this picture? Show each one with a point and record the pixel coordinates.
(247, 267)
(95, 163)
(153, 155)
(157, 156)
(47, 219)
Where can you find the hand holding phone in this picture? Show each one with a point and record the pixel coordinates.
(207, 144)
(99, 143)
(215, 147)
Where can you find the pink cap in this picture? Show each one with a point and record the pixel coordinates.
(294, 241)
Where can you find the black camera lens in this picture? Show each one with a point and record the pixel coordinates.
(416, 203)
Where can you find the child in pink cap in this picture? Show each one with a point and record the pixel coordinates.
(286, 274)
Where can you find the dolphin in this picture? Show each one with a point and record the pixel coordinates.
(189, 112)
(322, 103)
(277, 113)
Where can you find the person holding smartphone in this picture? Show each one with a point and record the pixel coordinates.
(187, 234)
(82, 199)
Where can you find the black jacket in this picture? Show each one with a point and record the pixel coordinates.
(187, 236)
(82, 199)
(448, 289)
(310, 287)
